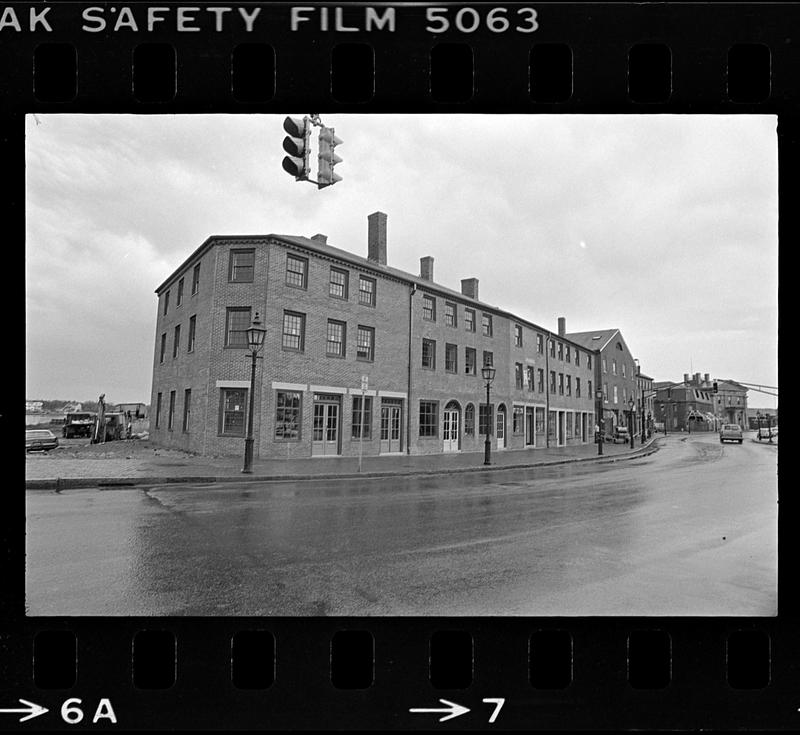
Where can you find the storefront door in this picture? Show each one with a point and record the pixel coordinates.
(450, 429)
(500, 427)
(391, 421)
(325, 440)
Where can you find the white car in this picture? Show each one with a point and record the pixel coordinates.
(767, 433)
(730, 433)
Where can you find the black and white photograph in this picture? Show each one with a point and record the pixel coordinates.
(316, 364)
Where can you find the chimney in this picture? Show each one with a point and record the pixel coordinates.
(376, 238)
(320, 238)
(562, 326)
(697, 378)
(686, 378)
(426, 268)
(705, 378)
(469, 287)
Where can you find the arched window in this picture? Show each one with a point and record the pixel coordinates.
(469, 420)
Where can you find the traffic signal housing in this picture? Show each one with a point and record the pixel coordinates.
(716, 389)
(296, 144)
(328, 158)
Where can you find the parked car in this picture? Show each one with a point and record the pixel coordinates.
(730, 433)
(621, 435)
(767, 432)
(40, 440)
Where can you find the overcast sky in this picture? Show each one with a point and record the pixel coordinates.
(663, 226)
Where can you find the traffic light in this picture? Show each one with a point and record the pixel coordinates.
(715, 387)
(296, 145)
(327, 158)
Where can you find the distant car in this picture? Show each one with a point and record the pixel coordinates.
(767, 432)
(40, 440)
(621, 435)
(730, 433)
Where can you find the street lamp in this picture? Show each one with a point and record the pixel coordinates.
(488, 373)
(599, 396)
(255, 340)
(631, 406)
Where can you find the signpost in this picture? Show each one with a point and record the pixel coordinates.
(364, 386)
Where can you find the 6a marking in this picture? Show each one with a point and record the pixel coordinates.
(72, 714)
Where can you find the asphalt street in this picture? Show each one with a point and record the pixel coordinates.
(689, 530)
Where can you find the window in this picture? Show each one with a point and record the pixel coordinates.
(488, 359)
(158, 410)
(616, 395)
(540, 375)
(540, 344)
(539, 421)
(486, 325)
(531, 378)
(233, 401)
(518, 335)
(552, 348)
(241, 266)
(469, 420)
(518, 420)
(561, 384)
(567, 353)
(518, 377)
(296, 271)
(336, 338)
(236, 322)
(623, 369)
(578, 387)
(577, 357)
(569, 425)
(171, 414)
(589, 362)
(589, 388)
(429, 354)
(450, 318)
(470, 367)
(176, 341)
(560, 351)
(196, 279)
(484, 418)
(451, 358)
(338, 283)
(166, 303)
(365, 344)
(552, 381)
(293, 330)
(362, 418)
(287, 415)
(366, 291)
(569, 385)
(187, 409)
(163, 347)
(428, 308)
(192, 333)
(469, 320)
(428, 418)
(624, 395)
(605, 365)
(179, 300)
(614, 366)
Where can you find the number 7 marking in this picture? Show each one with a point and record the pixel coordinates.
(498, 706)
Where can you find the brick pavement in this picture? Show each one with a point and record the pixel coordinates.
(49, 471)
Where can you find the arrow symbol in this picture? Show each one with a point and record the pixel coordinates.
(455, 710)
(31, 710)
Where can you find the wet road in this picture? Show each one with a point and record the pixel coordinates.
(689, 530)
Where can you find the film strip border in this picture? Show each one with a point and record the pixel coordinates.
(408, 674)
(352, 56)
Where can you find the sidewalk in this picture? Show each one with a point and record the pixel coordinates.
(52, 472)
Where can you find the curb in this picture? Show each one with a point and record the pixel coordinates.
(73, 483)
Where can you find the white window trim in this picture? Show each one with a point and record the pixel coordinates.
(302, 387)
(326, 389)
(233, 384)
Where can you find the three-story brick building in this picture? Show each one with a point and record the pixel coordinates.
(334, 319)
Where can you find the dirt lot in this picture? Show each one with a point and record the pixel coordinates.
(124, 449)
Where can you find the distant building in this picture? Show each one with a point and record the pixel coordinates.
(72, 408)
(615, 376)
(692, 405)
(33, 406)
(768, 417)
(137, 410)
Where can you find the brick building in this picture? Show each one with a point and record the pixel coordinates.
(690, 405)
(333, 318)
(615, 375)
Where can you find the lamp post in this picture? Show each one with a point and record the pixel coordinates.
(631, 407)
(255, 340)
(769, 427)
(599, 396)
(488, 373)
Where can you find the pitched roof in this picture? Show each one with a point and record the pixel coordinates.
(596, 340)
